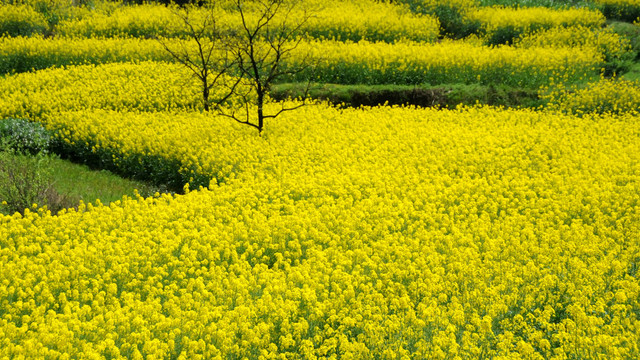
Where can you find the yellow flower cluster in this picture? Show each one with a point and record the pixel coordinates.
(55, 11)
(20, 20)
(148, 86)
(134, 140)
(146, 20)
(410, 234)
(444, 62)
(339, 62)
(612, 45)
(21, 54)
(608, 96)
(354, 20)
(503, 24)
(342, 20)
(531, 18)
(370, 233)
(42, 4)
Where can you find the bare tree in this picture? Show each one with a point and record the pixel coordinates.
(204, 50)
(268, 35)
(253, 51)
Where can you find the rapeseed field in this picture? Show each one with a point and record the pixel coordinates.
(385, 232)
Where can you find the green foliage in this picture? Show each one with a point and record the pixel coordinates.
(153, 169)
(617, 67)
(29, 174)
(24, 181)
(633, 74)
(450, 13)
(24, 176)
(79, 182)
(538, 3)
(623, 11)
(504, 35)
(446, 96)
(495, 95)
(453, 24)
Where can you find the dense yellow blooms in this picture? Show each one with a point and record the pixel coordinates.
(55, 11)
(531, 18)
(612, 45)
(148, 86)
(374, 21)
(610, 96)
(145, 20)
(359, 233)
(20, 20)
(342, 20)
(20, 54)
(370, 233)
(445, 62)
(502, 24)
(42, 4)
(339, 62)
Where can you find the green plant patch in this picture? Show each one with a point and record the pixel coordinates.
(446, 96)
(630, 32)
(633, 74)
(538, 3)
(57, 183)
(83, 183)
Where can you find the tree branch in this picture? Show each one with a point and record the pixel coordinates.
(283, 109)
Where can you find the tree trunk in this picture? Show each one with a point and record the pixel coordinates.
(260, 111)
(205, 95)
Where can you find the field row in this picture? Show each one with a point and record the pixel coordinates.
(343, 20)
(389, 232)
(350, 63)
(148, 86)
(425, 233)
(75, 103)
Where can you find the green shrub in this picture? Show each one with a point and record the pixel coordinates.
(25, 180)
(620, 10)
(24, 136)
(453, 24)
